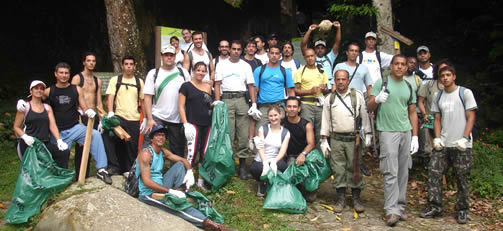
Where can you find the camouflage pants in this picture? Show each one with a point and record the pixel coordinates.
(439, 164)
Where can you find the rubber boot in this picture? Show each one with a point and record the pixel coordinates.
(357, 204)
(242, 169)
(208, 224)
(341, 200)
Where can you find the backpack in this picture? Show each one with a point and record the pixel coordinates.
(353, 104)
(378, 56)
(385, 84)
(296, 61)
(262, 69)
(331, 63)
(461, 95)
(265, 129)
(191, 58)
(132, 181)
(317, 67)
(118, 85)
(81, 84)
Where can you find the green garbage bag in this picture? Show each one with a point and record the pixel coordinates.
(39, 178)
(205, 206)
(217, 166)
(109, 124)
(282, 195)
(430, 122)
(176, 203)
(296, 174)
(319, 170)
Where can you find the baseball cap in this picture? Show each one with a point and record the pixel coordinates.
(273, 36)
(371, 34)
(422, 48)
(320, 42)
(157, 129)
(35, 83)
(168, 49)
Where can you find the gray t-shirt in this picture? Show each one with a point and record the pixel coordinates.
(453, 115)
(361, 79)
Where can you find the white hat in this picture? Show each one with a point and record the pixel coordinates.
(371, 34)
(35, 83)
(168, 49)
(320, 42)
(422, 48)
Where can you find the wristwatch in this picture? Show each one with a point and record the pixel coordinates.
(303, 153)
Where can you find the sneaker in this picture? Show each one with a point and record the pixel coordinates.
(462, 217)
(104, 176)
(261, 189)
(392, 219)
(125, 174)
(403, 215)
(200, 184)
(431, 213)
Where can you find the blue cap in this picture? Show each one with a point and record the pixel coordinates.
(157, 129)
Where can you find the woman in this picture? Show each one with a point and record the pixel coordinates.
(271, 143)
(181, 58)
(194, 106)
(39, 121)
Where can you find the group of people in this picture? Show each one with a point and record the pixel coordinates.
(277, 108)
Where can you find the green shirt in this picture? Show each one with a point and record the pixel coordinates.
(393, 115)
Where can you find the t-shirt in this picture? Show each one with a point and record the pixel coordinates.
(290, 65)
(219, 61)
(393, 115)
(184, 46)
(427, 91)
(263, 58)
(197, 105)
(272, 84)
(179, 58)
(428, 72)
(234, 76)
(126, 101)
(166, 107)
(298, 139)
(202, 58)
(309, 79)
(414, 82)
(64, 103)
(361, 79)
(453, 115)
(253, 63)
(327, 61)
(155, 172)
(272, 143)
(370, 60)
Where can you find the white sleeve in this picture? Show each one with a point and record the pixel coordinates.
(218, 72)
(186, 74)
(470, 102)
(434, 105)
(385, 59)
(149, 88)
(248, 73)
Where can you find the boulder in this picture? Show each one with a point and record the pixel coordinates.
(98, 206)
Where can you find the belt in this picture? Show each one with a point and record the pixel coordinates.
(309, 99)
(232, 94)
(269, 104)
(345, 137)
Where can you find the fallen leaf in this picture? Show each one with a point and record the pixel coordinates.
(231, 192)
(500, 211)
(355, 214)
(314, 219)
(266, 226)
(346, 229)
(338, 218)
(2, 206)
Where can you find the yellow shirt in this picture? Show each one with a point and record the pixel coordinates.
(126, 101)
(309, 79)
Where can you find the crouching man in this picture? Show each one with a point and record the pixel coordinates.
(179, 177)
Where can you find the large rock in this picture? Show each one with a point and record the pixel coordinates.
(97, 206)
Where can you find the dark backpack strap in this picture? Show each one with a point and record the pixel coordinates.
(265, 129)
(216, 61)
(117, 86)
(354, 72)
(81, 84)
(181, 72)
(155, 75)
(462, 95)
(190, 60)
(283, 71)
(303, 69)
(284, 131)
(378, 56)
(410, 91)
(96, 83)
(297, 63)
(262, 69)
(361, 58)
(138, 86)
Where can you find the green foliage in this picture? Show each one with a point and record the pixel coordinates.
(487, 171)
(342, 9)
(234, 3)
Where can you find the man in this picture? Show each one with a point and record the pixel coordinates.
(233, 77)
(425, 66)
(261, 52)
(91, 91)
(288, 61)
(124, 93)
(179, 176)
(359, 76)
(344, 114)
(311, 84)
(223, 49)
(272, 82)
(301, 136)
(161, 100)
(454, 108)
(187, 45)
(396, 117)
(249, 57)
(324, 58)
(65, 98)
(198, 54)
(416, 82)
(373, 59)
(272, 40)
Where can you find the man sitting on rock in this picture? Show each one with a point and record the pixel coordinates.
(150, 163)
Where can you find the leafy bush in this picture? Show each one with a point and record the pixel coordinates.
(487, 171)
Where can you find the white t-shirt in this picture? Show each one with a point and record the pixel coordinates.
(289, 65)
(370, 60)
(272, 143)
(453, 114)
(184, 46)
(219, 60)
(166, 106)
(234, 76)
(263, 58)
(428, 72)
(179, 59)
(204, 58)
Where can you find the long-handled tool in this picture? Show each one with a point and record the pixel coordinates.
(85, 152)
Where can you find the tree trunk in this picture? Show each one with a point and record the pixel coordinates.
(384, 18)
(124, 35)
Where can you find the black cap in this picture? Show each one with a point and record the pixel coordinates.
(157, 129)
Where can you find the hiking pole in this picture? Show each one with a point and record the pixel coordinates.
(356, 159)
(85, 152)
(374, 145)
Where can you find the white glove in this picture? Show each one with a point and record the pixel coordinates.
(274, 167)
(190, 131)
(80, 111)
(177, 193)
(438, 144)
(461, 144)
(259, 142)
(100, 128)
(414, 145)
(265, 168)
(188, 180)
(368, 140)
(110, 114)
(143, 125)
(62, 145)
(90, 113)
(382, 97)
(216, 102)
(251, 145)
(321, 101)
(254, 112)
(20, 105)
(28, 139)
(325, 147)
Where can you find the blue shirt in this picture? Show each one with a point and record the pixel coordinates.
(361, 79)
(327, 65)
(155, 172)
(272, 84)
